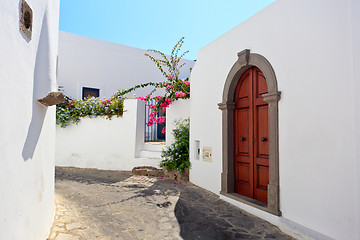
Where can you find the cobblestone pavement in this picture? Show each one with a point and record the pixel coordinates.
(109, 205)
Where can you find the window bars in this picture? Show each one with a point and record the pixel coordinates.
(153, 133)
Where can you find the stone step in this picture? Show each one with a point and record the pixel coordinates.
(156, 147)
(150, 154)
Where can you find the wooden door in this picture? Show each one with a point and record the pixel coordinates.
(251, 163)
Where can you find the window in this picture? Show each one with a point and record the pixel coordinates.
(154, 131)
(90, 92)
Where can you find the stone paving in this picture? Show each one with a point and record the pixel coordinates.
(109, 205)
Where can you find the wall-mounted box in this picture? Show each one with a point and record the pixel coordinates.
(207, 154)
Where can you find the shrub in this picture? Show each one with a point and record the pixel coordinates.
(71, 110)
(176, 156)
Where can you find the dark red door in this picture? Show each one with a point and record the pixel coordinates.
(251, 161)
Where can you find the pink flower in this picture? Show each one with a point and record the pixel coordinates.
(140, 98)
(168, 88)
(160, 120)
(71, 103)
(152, 106)
(163, 130)
(166, 104)
(180, 94)
(185, 82)
(150, 122)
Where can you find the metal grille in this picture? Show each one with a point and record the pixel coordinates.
(153, 133)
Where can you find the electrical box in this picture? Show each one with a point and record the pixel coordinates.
(207, 154)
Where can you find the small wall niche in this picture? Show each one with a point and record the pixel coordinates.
(26, 19)
(197, 149)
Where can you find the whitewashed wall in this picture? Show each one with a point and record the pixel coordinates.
(87, 62)
(356, 70)
(179, 110)
(27, 129)
(105, 144)
(313, 47)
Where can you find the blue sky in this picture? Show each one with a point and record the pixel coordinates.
(156, 24)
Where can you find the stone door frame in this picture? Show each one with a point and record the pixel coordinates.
(227, 106)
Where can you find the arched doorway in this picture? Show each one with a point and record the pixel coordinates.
(268, 95)
(251, 156)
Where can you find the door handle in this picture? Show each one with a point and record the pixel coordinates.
(263, 139)
(242, 139)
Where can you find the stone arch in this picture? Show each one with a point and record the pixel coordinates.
(244, 62)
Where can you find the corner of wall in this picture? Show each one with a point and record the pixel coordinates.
(140, 127)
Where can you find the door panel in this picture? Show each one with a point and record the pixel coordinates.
(262, 175)
(243, 131)
(262, 136)
(251, 163)
(243, 137)
(261, 86)
(261, 183)
(243, 179)
(244, 89)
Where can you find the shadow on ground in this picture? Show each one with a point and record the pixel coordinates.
(116, 200)
(109, 178)
(90, 175)
(203, 215)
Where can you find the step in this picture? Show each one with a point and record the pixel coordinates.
(156, 147)
(150, 154)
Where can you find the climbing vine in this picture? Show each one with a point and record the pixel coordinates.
(71, 110)
(175, 88)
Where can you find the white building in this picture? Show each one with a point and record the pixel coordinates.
(278, 121)
(104, 67)
(27, 129)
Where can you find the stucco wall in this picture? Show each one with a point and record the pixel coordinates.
(115, 144)
(27, 129)
(179, 110)
(105, 144)
(87, 62)
(355, 18)
(309, 45)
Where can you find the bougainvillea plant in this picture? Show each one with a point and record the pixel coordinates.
(71, 110)
(175, 88)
